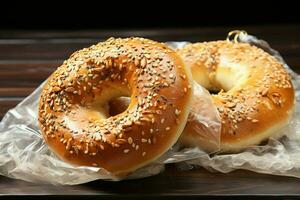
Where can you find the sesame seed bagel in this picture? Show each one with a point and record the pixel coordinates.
(255, 97)
(73, 109)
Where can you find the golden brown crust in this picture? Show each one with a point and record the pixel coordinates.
(259, 96)
(73, 115)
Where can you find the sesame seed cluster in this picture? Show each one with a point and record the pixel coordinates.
(265, 87)
(152, 73)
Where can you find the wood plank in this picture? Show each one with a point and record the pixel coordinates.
(172, 183)
(15, 92)
(15, 70)
(59, 50)
(60, 44)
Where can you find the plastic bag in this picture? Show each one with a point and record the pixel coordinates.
(24, 155)
(277, 157)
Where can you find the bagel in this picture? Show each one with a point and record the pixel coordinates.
(253, 93)
(73, 108)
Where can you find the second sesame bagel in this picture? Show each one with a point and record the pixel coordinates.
(253, 93)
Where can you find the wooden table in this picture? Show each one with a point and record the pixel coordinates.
(28, 57)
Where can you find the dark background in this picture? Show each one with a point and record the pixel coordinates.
(112, 14)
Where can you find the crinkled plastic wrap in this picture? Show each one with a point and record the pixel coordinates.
(24, 154)
(277, 157)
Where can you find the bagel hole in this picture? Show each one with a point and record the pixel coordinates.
(215, 91)
(118, 105)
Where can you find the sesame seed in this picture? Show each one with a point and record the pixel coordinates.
(130, 140)
(230, 104)
(168, 128)
(143, 62)
(126, 150)
(171, 75)
(143, 140)
(153, 120)
(177, 112)
(101, 147)
(183, 76)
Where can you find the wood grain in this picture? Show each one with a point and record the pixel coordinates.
(27, 58)
(172, 183)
